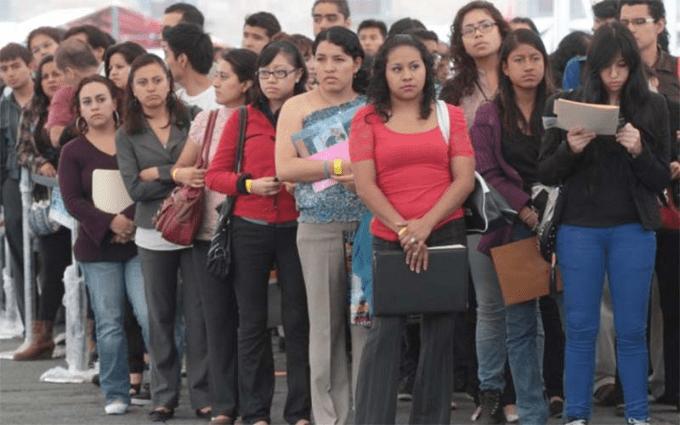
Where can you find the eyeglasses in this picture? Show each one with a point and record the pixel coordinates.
(279, 74)
(484, 27)
(637, 22)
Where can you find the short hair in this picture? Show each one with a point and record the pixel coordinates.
(190, 13)
(656, 10)
(96, 38)
(115, 92)
(193, 42)
(424, 35)
(244, 64)
(606, 9)
(14, 51)
(405, 24)
(264, 20)
(525, 21)
(373, 23)
(129, 50)
(74, 54)
(342, 5)
(55, 34)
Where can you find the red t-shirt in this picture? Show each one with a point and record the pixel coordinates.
(412, 170)
(61, 108)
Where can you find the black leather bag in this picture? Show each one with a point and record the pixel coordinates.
(219, 253)
(486, 209)
(549, 219)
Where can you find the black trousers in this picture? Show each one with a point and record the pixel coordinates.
(11, 200)
(255, 250)
(135, 341)
(553, 353)
(54, 253)
(160, 270)
(668, 275)
(220, 313)
(379, 369)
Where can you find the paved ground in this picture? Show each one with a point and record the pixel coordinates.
(25, 400)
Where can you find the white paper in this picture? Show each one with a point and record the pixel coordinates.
(108, 191)
(600, 119)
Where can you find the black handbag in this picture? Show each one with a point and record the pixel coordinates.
(486, 209)
(219, 253)
(549, 219)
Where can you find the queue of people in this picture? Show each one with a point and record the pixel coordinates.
(326, 152)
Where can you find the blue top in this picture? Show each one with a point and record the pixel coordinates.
(320, 130)
(571, 79)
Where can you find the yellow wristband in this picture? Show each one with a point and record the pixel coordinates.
(337, 167)
(174, 174)
(401, 231)
(249, 185)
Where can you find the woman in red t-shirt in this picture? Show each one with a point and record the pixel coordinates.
(414, 181)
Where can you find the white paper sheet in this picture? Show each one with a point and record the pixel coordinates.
(601, 119)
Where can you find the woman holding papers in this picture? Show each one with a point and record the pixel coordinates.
(506, 136)
(104, 248)
(608, 219)
(414, 179)
(308, 123)
(153, 134)
(263, 235)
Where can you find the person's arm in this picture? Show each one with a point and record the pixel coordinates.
(652, 165)
(289, 166)
(138, 189)
(556, 160)
(95, 222)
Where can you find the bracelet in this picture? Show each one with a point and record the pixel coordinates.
(249, 185)
(326, 170)
(401, 231)
(174, 174)
(337, 167)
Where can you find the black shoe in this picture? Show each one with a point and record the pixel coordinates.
(161, 415)
(203, 415)
(556, 408)
(620, 410)
(492, 411)
(405, 391)
(140, 395)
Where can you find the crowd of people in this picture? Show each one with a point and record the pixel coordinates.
(251, 128)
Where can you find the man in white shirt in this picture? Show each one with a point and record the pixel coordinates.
(189, 55)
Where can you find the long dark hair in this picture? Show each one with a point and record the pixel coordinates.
(244, 64)
(609, 41)
(116, 97)
(511, 117)
(266, 57)
(574, 44)
(378, 90)
(39, 106)
(464, 67)
(134, 121)
(349, 42)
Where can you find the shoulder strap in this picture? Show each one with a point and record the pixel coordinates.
(207, 139)
(242, 123)
(443, 119)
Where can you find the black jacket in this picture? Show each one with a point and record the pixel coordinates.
(649, 172)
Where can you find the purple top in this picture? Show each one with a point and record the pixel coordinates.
(486, 139)
(79, 158)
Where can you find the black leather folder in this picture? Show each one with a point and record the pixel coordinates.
(443, 288)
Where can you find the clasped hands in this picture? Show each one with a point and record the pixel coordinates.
(412, 236)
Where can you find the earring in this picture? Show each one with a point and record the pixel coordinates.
(116, 118)
(81, 125)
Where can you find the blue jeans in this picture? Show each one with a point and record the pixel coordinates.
(109, 284)
(514, 332)
(626, 253)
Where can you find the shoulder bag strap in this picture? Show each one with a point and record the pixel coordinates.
(207, 140)
(243, 121)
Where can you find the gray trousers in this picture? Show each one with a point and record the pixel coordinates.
(160, 286)
(323, 266)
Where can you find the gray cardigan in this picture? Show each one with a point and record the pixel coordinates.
(137, 152)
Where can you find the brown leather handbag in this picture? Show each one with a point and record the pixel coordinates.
(179, 217)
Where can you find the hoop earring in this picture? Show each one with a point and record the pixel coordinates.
(81, 125)
(116, 118)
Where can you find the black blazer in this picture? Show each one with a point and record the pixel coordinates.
(650, 171)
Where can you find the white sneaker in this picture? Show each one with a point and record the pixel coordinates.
(637, 422)
(577, 422)
(116, 407)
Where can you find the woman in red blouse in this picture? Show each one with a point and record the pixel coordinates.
(263, 235)
(414, 181)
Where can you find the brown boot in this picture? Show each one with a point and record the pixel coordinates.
(41, 346)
